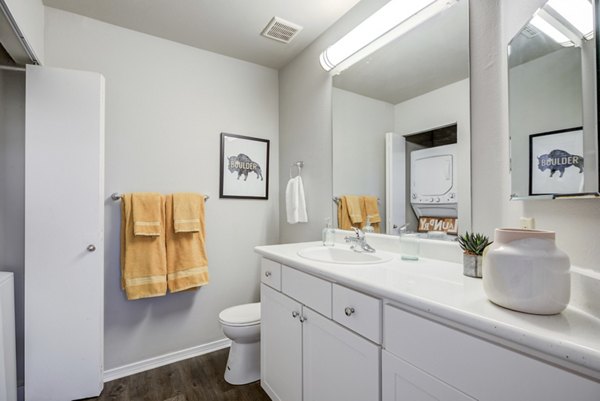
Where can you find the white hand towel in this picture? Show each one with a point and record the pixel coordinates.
(295, 202)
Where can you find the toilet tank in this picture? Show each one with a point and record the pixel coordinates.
(8, 360)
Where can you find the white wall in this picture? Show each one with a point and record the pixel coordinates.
(12, 191)
(305, 94)
(441, 107)
(166, 105)
(29, 16)
(359, 127)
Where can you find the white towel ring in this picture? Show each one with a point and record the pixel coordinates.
(299, 165)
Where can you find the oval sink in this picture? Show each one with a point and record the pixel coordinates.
(343, 255)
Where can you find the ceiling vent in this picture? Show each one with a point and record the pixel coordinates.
(281, 30)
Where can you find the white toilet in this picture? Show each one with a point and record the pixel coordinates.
(241, 324)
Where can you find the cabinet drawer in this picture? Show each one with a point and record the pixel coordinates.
(270, 273)
(309, 290)
(358, 312)
(477, 367)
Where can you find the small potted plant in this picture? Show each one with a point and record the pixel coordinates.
(473, 246)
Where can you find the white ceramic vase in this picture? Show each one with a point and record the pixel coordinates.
(523, 270)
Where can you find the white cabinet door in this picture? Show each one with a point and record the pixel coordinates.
(401, 381)
(280, 346)
(337, 364)
(64, 219)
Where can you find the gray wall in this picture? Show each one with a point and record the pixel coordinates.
(359, 127)
(166, 105)
(305, 119)
(12, 191)
(305, 126)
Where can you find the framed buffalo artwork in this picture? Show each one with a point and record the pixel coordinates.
(556, 162)
(244, 167)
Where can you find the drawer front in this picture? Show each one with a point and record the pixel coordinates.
(482, 369)
(270, 273)
(309, 290)
(357, 311)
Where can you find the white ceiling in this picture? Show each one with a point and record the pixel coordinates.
(229, 27)
(432, 55)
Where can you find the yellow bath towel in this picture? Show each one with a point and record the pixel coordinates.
(187, 265)
(186, 212)
(354, 204)
(371, 209)
(344, 221)
(143, 258)
(148, 212)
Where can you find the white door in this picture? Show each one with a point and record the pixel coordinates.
(402, 381)
(280, 345)
(64, 272)
(338, 364)
(395, 188)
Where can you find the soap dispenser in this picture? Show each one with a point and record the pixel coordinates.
(328, 233)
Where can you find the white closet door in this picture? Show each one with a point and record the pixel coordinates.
(64, 218)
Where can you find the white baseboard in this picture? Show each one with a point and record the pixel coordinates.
(161, 360)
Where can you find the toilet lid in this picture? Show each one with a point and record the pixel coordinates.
(241, 315)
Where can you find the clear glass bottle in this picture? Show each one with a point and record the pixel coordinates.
(368, 228)
(328, 233)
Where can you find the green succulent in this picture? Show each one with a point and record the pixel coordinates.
(473, 244)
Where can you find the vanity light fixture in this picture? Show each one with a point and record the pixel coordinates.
(578, 13)
(389, 22)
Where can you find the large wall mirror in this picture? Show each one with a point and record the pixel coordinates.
(401, 127)
(552, 76)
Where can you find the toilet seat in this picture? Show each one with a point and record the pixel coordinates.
(241, 315)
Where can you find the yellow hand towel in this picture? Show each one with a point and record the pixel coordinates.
(371, 209)
(143, 258)
(187, 265)
(186, 212)
(148, 210)
(344, 222)
(354, 208)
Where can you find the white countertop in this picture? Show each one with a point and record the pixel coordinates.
(440, 290)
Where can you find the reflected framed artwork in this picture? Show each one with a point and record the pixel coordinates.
(244, 171)
(556, 162)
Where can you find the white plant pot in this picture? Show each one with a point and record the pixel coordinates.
(523, 270)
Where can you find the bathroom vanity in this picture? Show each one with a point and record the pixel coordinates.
(399, 330)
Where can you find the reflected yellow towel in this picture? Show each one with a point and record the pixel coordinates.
(344, 222)
(143, 258)
(354, 204)
(187, 265)
(186, 212)
(370, 208)
(148, 212)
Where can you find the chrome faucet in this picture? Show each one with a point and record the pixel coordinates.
(359, 241)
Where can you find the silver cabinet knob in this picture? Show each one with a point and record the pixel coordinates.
(303, 319)
(91, 248)
(349, 311)
(267, 274)
(295, 314)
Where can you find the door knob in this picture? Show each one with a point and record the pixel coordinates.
(267, 274)
(303, 319)
(91, 248)
(295, 314)
(349, 311)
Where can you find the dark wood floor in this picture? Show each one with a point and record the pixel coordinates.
(195, 379)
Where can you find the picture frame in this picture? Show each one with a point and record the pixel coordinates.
(244, 170)
(556, 162)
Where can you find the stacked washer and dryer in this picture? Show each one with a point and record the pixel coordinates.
(433, 181)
